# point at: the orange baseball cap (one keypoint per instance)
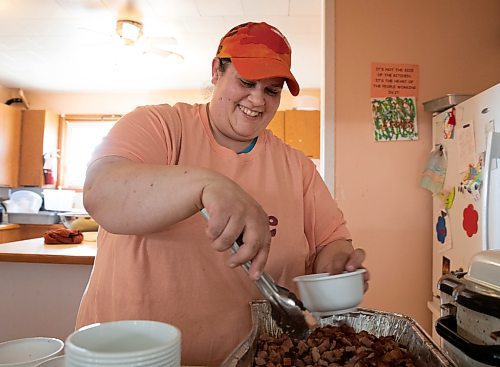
(259, 51)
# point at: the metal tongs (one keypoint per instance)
(286, 309)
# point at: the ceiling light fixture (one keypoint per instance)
(129, 31)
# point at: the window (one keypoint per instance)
(80, 135)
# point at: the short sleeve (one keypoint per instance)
(148, 134)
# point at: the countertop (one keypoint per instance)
(35, 251)
(7, 226)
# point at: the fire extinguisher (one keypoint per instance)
(49, 168)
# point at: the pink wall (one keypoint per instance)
(456, 43)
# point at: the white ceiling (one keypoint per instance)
(67, 45)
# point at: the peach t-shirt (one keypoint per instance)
(174, 275)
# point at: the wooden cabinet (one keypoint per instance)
(299, 129)
(302, 130)
(10, 138)
(277, 125)
(20, 232)
(10, 234)
(39, 135)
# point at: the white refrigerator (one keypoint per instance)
(466, 210)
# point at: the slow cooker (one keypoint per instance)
(470, 312)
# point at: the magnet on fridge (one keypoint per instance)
(449, 125)
(445, 265)
(447, 197)
(448, 202)
(469, 222)
(441, 230)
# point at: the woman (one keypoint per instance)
(160, 165)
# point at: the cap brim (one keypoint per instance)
(255, 68)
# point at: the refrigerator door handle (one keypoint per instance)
(492, 152)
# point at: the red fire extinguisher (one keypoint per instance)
(49, 168)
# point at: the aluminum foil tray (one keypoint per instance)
(404, 329)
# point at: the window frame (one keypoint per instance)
(63, 133)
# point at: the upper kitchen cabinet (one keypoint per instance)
(302, 130)
(39, 136)
(277, 125)
(10, 137)
(299, 129)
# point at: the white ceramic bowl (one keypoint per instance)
(324, 294)
(29, 351)
(123, 343)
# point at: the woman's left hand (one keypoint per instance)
(339, 256)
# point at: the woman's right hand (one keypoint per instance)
(150, 197)
(233, 212)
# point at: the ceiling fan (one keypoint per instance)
(130, 30)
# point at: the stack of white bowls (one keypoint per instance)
(124, 343)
